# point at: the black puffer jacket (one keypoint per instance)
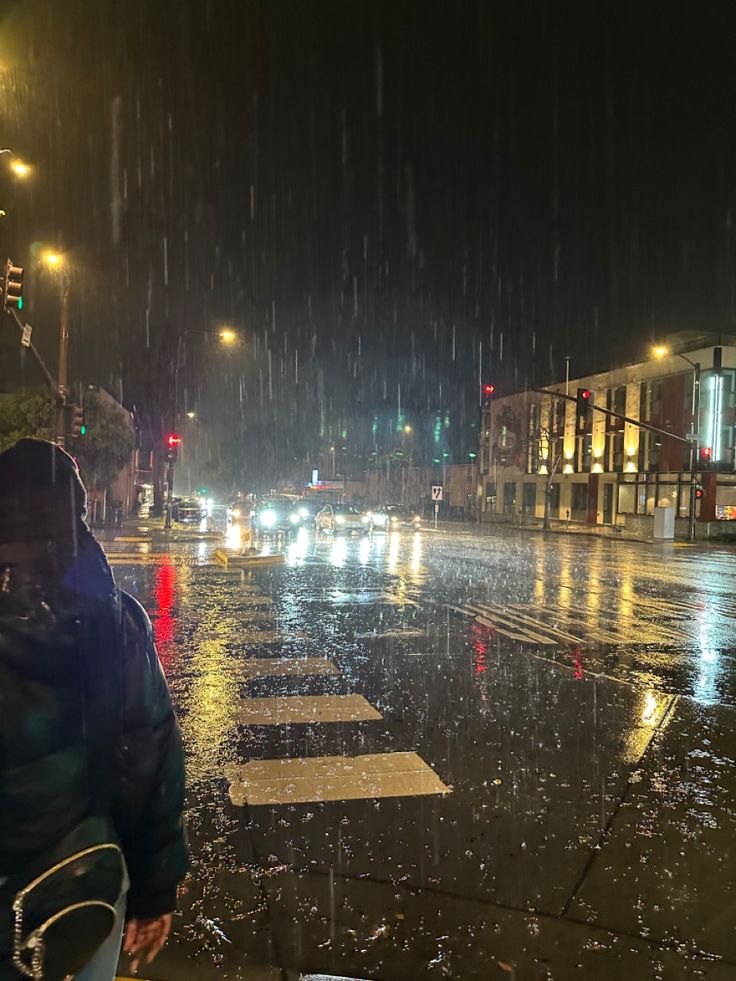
(90, 748)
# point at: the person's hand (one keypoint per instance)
(145, 935)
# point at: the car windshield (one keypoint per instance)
(346, 509)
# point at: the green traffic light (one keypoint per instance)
(20, 302)
(83, 430)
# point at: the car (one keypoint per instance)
(273, 514)
(342, 517)
(392, 517)
(303, 512)
(186, 510)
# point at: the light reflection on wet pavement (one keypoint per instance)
(575, 696)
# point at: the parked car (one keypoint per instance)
(342, 517)
(389, 517)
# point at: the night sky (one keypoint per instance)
(391, 202)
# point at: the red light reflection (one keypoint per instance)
(163, 619)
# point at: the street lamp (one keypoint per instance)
(661, 351)
(20, 169)
(228, 336)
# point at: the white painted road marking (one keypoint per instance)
(302, 709)
(293, 781)
(275, 667)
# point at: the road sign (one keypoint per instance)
(25, 337)
(438, 492)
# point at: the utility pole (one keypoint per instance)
(63, 373)
(694, 451)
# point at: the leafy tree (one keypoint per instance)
(101, 454)
(106, 448)
(25, 413)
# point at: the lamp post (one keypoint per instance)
(660, 352)
(57, 263)
(228, 338)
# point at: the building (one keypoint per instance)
(614, 467)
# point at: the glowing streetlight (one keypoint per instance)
(54, 260)
(660, 351)
(408, 429)
(191, 415)
(19, 168)
(228, 335)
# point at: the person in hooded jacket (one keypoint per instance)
(91, 760)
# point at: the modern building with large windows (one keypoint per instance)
(609, 469)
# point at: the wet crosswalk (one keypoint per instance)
(291, 780)
(640, 620)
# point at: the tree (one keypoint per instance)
(25, 413)
(109, 441)
(545, 444)
(532, 440)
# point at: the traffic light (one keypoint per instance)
(488, 391)
(12, 287)
(78, 426)
(698, 491)
(173, 442)
(73, 421)
(582, 408)
(706, 455)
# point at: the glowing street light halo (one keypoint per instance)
(228, 336)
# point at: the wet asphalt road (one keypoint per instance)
(572, 697)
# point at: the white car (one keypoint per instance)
(342, 517)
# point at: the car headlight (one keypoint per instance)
(394, 521)
(380, 519)
(303, 513)
(340, 520)
(366, 518)
(417, 519)
(268, 519)
(294, 519)
(236, 512)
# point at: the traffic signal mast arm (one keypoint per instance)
(616, 415)
(50, 381)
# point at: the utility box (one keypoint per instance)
(664, 524)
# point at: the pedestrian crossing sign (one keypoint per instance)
(438, 492)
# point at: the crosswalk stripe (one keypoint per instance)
(505, 631)
(322, 778)
(279, 667)
(301, 709)
(524, 619)
(261, 638)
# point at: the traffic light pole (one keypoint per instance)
(48, 377)
(169, 494)
(692, 443)
(694, 449)
(617, 415)
(62, 380)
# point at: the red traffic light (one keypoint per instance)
(585, 393)
(489, 389)
(173, 440)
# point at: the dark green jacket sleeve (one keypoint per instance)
(148, 808)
